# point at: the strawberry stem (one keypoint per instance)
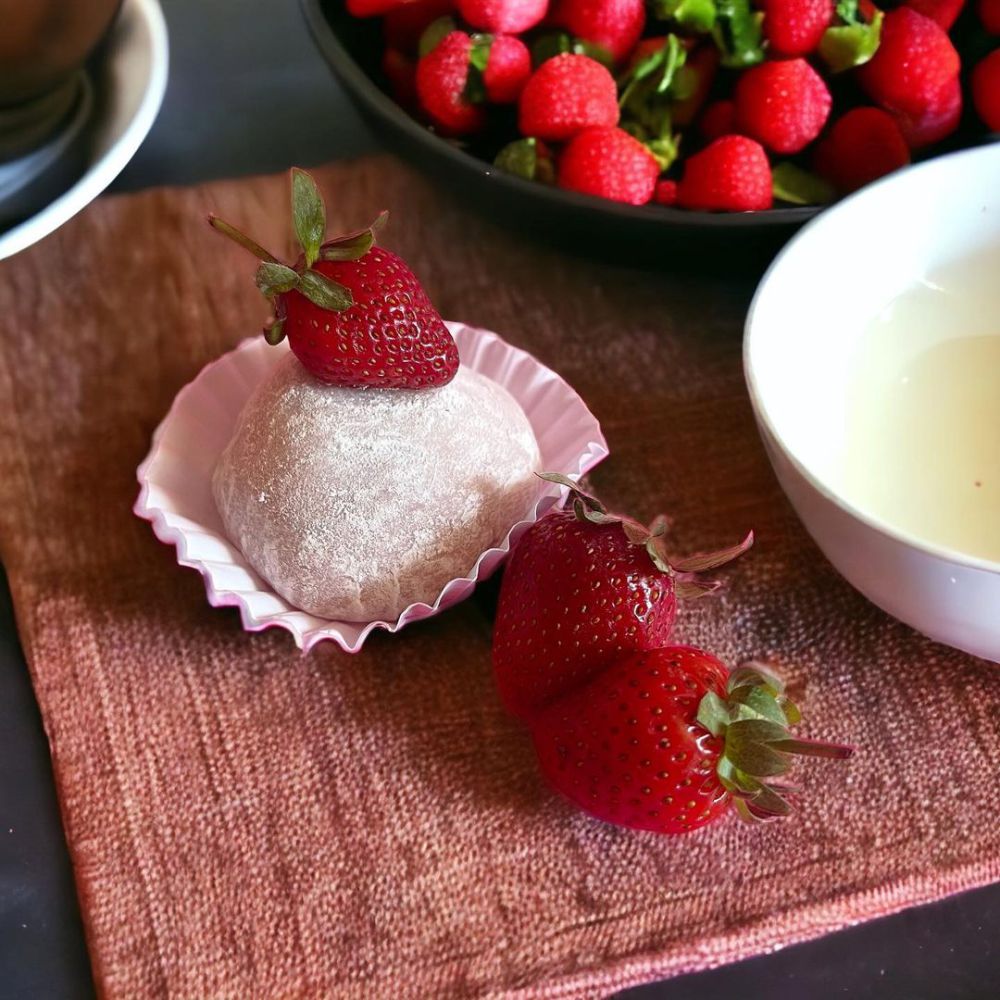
(242, 239)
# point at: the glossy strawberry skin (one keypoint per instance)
(441, 78)
(936, 121)
(915, 62)
(795, 27)
(731, 174)
(507, 69)
(615, 25)
(626, 746)
(391, 337)
(564, 96)
(608, 163)
(574, 597)
(862, 145)
(945, 12)
(782, 104)
(503, 16)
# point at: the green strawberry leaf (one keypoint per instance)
(738, 34)
(713, 713)
(353, 250)
(273, 279)
(433, 34)
(556, 43)
(479, 57)
(799, 187)
(523, 158)
(594, 51)
(325, 293)
(659, 68)
(846, 46)
(548, 46)
(308, 214)
(275, 333)
(693, 15)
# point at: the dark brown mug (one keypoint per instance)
(44, 42)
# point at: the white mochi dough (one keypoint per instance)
(354, 503)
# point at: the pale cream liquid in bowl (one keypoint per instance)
(923, 416)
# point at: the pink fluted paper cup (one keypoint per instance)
(176, 495)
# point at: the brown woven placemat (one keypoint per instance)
(247, 822)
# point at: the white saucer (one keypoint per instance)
(130, 84)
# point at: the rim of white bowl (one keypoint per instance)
(146, 16)
(827, 218)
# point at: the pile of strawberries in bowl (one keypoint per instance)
(711, 105)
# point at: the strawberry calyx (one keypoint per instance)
(528, 158)
(693, 15)
(274, 278)
(479, 57)
(685, 572)
(854, 39)
(557, 43)
(647, 90)
(754, 720)
(796, 186)
(434, 33)
(738, 33)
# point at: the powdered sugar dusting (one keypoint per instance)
(355, 503)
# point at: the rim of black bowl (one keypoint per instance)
(379, 103)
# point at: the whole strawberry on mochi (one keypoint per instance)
(632, 729)
(355, 315)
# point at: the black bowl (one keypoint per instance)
(648, 234)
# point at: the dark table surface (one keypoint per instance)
(249, 94)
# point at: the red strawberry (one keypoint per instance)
(402, 26)
(507, 69)
(581, 588)
(718, 119)
(665, 192)
(354, 314)
(936, 121)
(372, 8)
(401, 72)
(783, 104)
(914, 64)
(442, 76)
(664, 740)
(700, 69)
(862, 146)
(986, 90)
(795, 27)
(989, 15)
(608, 163)
(614, 25)
(945, 12)
(729, 175)
(510, 16)
(565, 95)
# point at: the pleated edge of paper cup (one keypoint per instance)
(483, 351)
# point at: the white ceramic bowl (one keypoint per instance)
(130, 80)
(802, 335)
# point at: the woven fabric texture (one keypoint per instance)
(246, 822)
